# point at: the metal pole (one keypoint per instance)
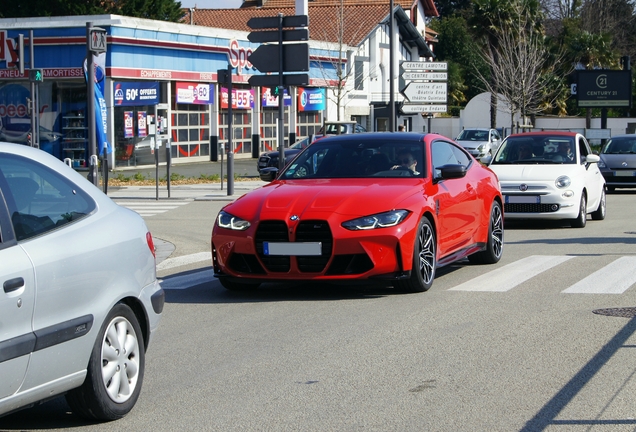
(230, 146)
(35, 105)
(391, 74)
(90, 105)
(281, 99)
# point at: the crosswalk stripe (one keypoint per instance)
(509, 276)
(152, 208)
(614, 278)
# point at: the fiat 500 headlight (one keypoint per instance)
(228, 221)
(563, 182)
(380, 220)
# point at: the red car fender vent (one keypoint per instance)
(151, 244)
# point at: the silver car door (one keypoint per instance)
(17, 301)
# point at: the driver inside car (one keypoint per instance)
(406, 161)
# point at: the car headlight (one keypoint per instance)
(482, 147)
(601, 164)
(563, 182)
(228, 221)
(380, 220)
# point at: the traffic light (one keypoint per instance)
(21, 54)
(36, 75)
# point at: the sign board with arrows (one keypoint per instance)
(425, 92)
(425, 87)
(266, 58)
(422, 108)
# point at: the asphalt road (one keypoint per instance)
(535, 342)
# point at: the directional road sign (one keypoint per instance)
(272, 22)
(273, 36)
(424, 66)
(267, 59)
(273, 80)
(424, 76)
(425, 92)
(422, 108)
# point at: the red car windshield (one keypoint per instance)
(358, 159)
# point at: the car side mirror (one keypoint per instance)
(592, 158)
(452, 171)
(268, 174)
(486, 159)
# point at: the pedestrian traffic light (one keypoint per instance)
(36, 75)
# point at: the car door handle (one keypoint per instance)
(13, 284)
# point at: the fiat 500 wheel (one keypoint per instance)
(424, 260)
(115, 369)
(599, 213)
(581, 220)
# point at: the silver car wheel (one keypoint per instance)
(120, 360)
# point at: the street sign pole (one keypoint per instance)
(230, 126)
(281, 98)
(90, 115)
(35, 101)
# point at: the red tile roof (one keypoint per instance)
(360, 16)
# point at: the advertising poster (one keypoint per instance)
(141, 124)
(241, 98)
(271, 101)
(129, 131)
(313, 99)
(195, 93)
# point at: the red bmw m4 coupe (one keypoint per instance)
(380, 207)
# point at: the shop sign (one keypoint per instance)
(8, 50)
(241, 98)
(238, 56)
(136, 93)
(195, 93)
(314, 99)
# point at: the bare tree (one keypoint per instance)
(523, 70)
(343, 37)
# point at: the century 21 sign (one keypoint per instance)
(603, 88)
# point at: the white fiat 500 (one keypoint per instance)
(549, 175)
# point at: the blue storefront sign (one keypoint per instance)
(313, 99)
(136, 93)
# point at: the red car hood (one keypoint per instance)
(350, 197)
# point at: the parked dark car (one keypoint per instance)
(618, 162)
(270, 159)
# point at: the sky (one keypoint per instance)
(211, 4)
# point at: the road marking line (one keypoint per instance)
(614, 278)
(185, 260)
(509, 276)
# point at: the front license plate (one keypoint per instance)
(296, 249)
(523, 199)
(624, 173)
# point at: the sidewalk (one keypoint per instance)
(245, 168)
(199, 192)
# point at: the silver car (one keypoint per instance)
(479, 142)
(80, 299)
